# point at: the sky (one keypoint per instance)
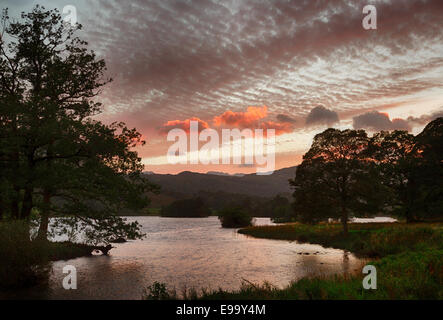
(298, 67)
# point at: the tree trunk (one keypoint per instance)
(344, 221)
(44, 220)
(410, 218)
(27, 204)
(15, 213)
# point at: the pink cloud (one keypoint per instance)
(248, 119)
(183, 124)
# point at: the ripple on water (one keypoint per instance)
(194, 253)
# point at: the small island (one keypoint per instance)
(235, 217)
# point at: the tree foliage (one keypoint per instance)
(346, 173)
(398, 161)
(234, 217)
(335, 180)
(55, 156)
(430, 146)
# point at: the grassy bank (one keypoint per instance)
(408, 275)
(408, 259)
(373, 240)
(410, 264)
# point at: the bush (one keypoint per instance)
(158, 291)
(23, 263)
(234, 218)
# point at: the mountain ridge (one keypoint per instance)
(188, 184)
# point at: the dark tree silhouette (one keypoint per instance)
(335, 180)
(54, 157)
(430, 146)
(398, 161)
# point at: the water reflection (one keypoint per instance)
(195, 253)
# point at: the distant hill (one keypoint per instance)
(188, 184)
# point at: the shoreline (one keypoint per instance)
(407, 258)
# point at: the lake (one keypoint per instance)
(193, 253)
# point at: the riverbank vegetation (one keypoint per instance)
(234, 217)
(373, 240)
(409, 275)
(409, 264)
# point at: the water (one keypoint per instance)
(193, 253)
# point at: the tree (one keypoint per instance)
(55, 157)
(411, 168)
(280, 209)
(335, 180)
(430, 147)
(234, 217)
(398, 161)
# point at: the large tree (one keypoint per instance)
(399, 163)
(411, 167)
(430, 147)
(335, 180)
(55, 157)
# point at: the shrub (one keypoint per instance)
(159, 291)
(234, 218)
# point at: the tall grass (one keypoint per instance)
(372, 240)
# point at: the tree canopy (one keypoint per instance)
(56, 159)
(346, 173)
(334, 179)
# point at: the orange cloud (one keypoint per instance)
(248, 119)
(279, 127)
(183, 124)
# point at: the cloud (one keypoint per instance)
(248, 119)
(377, 121)
(253, 118)
(426, 118)
(183, 124)
(321, 116)
(279, 127)
(218, 53)
(285, 118)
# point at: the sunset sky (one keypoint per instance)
(295, 66)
